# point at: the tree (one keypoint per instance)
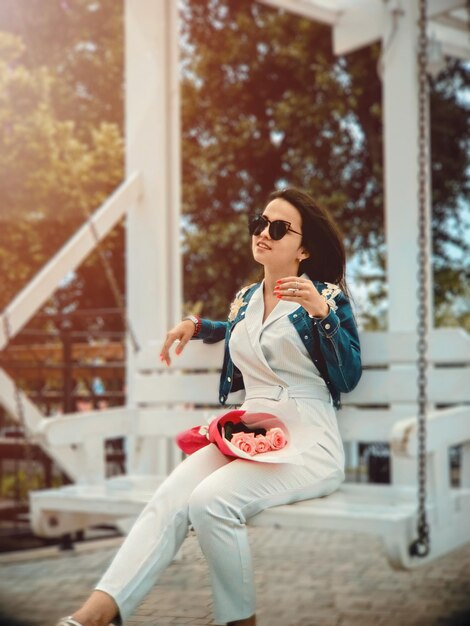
(50, 179)
(81, 43)
(264, 102)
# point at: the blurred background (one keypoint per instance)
(265, 103)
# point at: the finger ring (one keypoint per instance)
(292, 290)
(296, 284)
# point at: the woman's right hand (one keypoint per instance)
(182, 333)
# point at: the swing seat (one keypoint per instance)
(380, 409)
(387, 512)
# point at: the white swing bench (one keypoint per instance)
(377, 410)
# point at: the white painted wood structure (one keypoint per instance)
(166, 401)
(382, 407)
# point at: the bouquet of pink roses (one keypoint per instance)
(251, 443)
(280, 436)
(258, 435)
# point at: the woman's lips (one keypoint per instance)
(262, 246)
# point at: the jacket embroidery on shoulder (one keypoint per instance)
(238, 302)
(329, 293)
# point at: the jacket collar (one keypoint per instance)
(278, 311)
(283, 307)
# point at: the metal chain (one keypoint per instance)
(420, 546)
(21, 415)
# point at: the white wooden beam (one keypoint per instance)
(42, 286)
(452, 21)
(326, 12)
(152, 104)
(438, 7)
(361, 23)
(444, 428)
(73, 428)
(378, 348)
(400, 106)
(455, 42)
(8, 400)
(396, 385)
(64, 456)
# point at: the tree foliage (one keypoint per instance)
(264, 103)
(51, 178)
(267, 103)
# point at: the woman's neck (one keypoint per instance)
(272, 275)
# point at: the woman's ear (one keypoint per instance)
(303, 254)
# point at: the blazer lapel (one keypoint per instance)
(254, 320)
(283, 307)
(254, 325)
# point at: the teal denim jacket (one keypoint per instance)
(332, 341)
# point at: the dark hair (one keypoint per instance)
(322, 238)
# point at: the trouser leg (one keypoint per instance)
(219, 508)
(157, 533)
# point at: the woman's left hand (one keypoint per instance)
(304, 292)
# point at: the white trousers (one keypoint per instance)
(216, 494)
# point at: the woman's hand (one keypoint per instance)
(182, 332)
(304, 292)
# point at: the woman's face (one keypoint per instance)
(285, 254)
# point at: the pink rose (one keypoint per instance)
(276, 438)
(245, 442)
(262, 444)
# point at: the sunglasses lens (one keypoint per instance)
(256, 224)
(278, 229)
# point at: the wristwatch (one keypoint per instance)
(196, 321)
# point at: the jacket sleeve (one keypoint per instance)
(339, 344)
(211, 332)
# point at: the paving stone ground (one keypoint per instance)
(317, 578)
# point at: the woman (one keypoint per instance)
(291, 341)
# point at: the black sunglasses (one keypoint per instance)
(277, 228)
